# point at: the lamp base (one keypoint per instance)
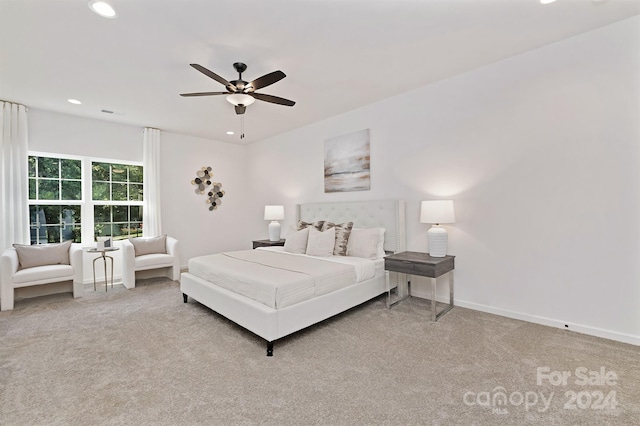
(437, 238)
(274, 231)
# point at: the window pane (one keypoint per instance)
(135, 174)
(103, 230)
(48, 167)
(119, 191)
(135, 229)
(71, 169)
(102, 214)
(51, 215)
(100, 171)
(32, 188)
(100, 191)
(136, 213)
(71, 190)
(120, 213)
(135, 192)
(32, 166)
(48, 189)
(118, 173)
(71, 214)
(53, 234)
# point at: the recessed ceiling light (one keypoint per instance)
(103, 9)
(546, 1)
(74, 101)
(230, 133)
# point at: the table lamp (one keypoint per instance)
(437, 212)
(274, 214)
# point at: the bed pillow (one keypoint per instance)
(380, 250)
(343, 230)
(364, 243)
(318, 224)
(321, 243)
(153, 245)
(296, 241)
(30, 256)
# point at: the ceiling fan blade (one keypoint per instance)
(240, 109)
(214, 76)
(267, 80)
(204, 94)
(273, 99)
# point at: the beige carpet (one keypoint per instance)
(144, 357)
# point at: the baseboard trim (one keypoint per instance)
(578, 328)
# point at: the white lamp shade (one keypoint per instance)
(273, 212)
(437, 211)
(241, 99)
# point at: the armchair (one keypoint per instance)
(141, 260)
(11, 277)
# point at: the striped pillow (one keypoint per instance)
(343, 230)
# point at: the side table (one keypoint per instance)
(416, 263)
(267, 243)
(103, 255)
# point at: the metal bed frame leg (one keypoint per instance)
(184, 297)
(269, 348)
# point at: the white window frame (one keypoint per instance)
(86, 202)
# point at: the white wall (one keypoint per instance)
(184, 213)
(540, 154)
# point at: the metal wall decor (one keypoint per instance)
(215, 192)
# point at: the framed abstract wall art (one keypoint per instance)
(347, 163)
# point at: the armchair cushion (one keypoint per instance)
(30, 256)
(40, 273)
(155, 260)
(151, 245)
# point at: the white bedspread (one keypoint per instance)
(276, 278)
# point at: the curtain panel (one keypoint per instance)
(151, 220)
(14, 189)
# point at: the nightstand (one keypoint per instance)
(416, 263)
(267, 243)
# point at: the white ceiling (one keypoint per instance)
(338, 55)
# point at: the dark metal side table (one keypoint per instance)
(417, 263)
(267, 243)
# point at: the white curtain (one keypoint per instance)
(151, 221)
(14, 189)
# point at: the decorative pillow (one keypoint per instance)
(30, 256)
(343, 230)
(364, 243)
(296, 241)
(318, 225)
(321, 243)
(151, 245)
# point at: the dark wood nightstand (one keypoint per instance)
(416, 263)
(267, 243)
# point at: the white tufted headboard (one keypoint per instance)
(387, 214)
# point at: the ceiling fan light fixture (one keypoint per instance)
(240, 99)
(103, 9)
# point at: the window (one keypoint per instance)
(55, 199)
(79, 199)
(117, 196)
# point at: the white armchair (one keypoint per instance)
(12, 278)
(149, 264)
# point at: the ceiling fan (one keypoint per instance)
(241, 93)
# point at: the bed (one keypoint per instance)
(272, 320)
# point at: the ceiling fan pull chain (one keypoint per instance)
(242, 126)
